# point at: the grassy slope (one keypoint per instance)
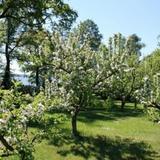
(106, 135)
(113, 135)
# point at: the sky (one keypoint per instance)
(125, 16)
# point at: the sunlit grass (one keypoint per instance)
(113, 134)
(131, 124)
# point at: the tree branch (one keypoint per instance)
(5, 143)
(4, 12)
(154, 105)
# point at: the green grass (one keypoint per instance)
(105, 135)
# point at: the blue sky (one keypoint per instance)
(124, 16)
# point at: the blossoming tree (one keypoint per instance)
(79, 72)
(16, 110)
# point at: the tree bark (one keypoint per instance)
(123, 102)
(37, 80)
(135, 104)
(6, 83)
(74, 124)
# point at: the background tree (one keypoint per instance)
(134, 45)
(150, 64)
(18, 16)
(126, 82)
(88, 31)
(35, 56)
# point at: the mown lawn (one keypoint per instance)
(105, 135)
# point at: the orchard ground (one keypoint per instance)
(104, 135)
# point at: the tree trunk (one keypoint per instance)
(22, 155)
(135, 104)
(37, 76)
(6, 83)
(37, 79)
(74, 124)
(123, 102)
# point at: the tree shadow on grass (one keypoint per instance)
(103, 148)
(113, 114)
